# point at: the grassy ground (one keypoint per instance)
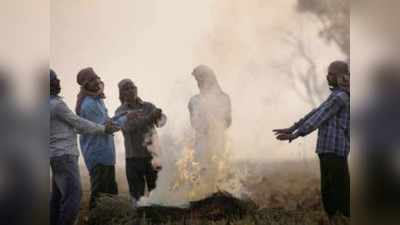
(285, 193)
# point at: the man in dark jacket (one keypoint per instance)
(141, 151)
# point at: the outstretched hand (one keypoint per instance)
(156, 115)
(111, 127)
(286, 134)
(283, 131)
(286, 137)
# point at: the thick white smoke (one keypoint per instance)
(158, 43)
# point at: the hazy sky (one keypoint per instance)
(157, 43)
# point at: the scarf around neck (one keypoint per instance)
(85, 93)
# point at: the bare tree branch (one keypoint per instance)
(334, 16)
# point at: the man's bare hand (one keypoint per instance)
(156, 164)
(283, 131)
(111, 127)
(286, 137)
(156, 115)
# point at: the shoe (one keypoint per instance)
(134, 203)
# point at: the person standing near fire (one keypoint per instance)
(332, 119)
(98, 149)
(66, 188)
(210, 116)
(138, 122)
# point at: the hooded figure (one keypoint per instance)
(211, 107)
(210, 116)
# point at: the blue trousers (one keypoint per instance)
(66, 190)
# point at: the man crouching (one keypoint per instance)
(138, 126)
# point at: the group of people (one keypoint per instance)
(136, 119)
(210, 115)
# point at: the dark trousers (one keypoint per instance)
(140, 172)
(335, 184)
(102, 180)
(66, 190)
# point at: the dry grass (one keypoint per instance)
(285, 193)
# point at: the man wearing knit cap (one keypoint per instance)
(332, 119)
(141, 149)
(98, 149)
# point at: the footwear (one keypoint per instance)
(134, 203)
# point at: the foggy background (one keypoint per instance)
(253, 46)
(263, 52)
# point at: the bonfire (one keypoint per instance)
(274, 198)
(221, 206)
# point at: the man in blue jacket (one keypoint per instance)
(98, 149)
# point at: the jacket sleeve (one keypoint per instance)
(138, 123)
(305, 118)
(81, 125)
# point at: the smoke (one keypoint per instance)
(204, 165)
(158, 43)
(244, 45)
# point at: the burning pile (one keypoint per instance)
(217, 207)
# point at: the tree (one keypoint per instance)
(302, 69)
(335, 18)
